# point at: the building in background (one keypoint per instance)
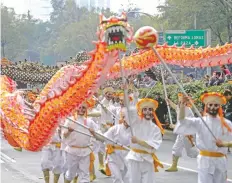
(102, 4)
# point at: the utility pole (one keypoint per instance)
(195, 20)
(3, 47)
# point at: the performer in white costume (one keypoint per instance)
(183, 142)
(52, 159)
(115, 155)
(64, 154)
(79, 147)
(94, 115)
(118, 109)
(146, 139)
(212, 161)
(134, 94)
(106, 121)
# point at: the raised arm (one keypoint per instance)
(171, 104)
(186, 124)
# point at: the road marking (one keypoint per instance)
(5, 157)
(188, 169)
(1, 161)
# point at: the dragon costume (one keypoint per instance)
(31, 126)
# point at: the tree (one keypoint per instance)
(212, 14)
(57, 6)
(10, 37)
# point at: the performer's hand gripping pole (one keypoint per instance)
(104, 137)
(126, 101)
(83, 133)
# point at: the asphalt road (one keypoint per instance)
(24, 167)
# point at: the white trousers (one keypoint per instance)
(52, 160)
(65, 164)
(141, 172)
(217, 177)
(182, 143)
(101, 148)
(78, 165)
(118, 176)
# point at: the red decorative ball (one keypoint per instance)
(146, 37)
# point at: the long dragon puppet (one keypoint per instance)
(31, 127)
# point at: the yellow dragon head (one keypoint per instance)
(115, 32)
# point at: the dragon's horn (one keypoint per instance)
(102, 18)
(124, 16)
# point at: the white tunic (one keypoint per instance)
(118, 113)
(106, 116)
(135, 97)
(120, 134)
(77, 139)
(205, 141)
(146, 131)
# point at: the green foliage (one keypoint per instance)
(194, 89)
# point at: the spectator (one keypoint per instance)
(226, 72)
(148, 82)
(216, 79)
(191, 77)
(228, 106)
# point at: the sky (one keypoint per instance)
(42, 8)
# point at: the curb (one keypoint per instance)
(169, 135)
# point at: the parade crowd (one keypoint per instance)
(125, 139)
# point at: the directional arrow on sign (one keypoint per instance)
(169, 37)
(196, 42)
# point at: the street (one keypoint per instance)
(24, 167)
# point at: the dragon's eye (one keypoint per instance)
(104, 22)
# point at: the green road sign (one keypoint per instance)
(188, 37)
